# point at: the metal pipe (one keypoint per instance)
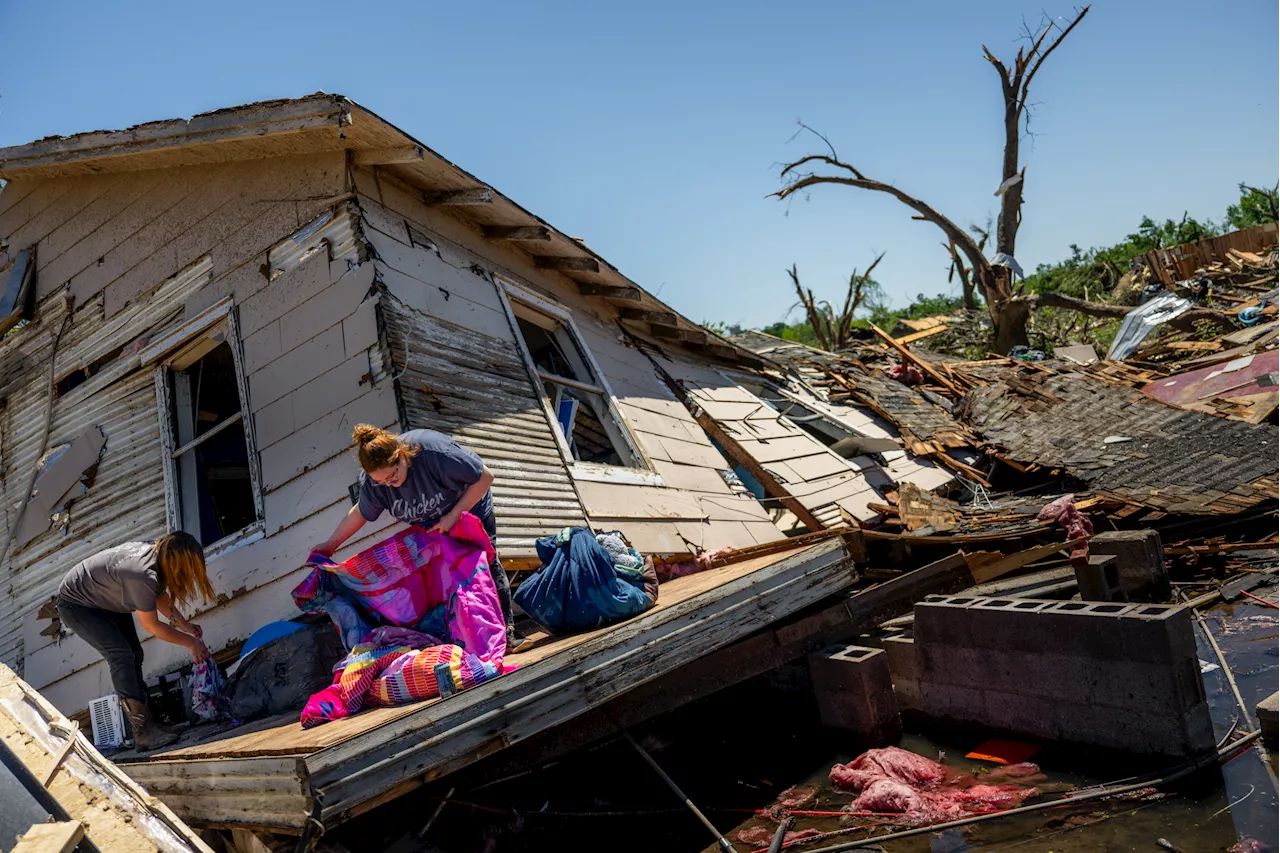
(775, 846)
(720, 839)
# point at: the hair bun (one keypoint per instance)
(365, 434)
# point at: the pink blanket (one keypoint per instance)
(435, 583)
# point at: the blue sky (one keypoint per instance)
(653, 130)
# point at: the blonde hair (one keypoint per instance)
(377, 449)
(180, 560)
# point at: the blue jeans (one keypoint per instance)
(498, 573)
(114, 636)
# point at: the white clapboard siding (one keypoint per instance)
(822, 481)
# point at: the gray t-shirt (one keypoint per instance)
(120, 579)
(438, 475)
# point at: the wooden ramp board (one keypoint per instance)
(266, 778)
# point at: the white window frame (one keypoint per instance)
(175, 352)
(643, 472)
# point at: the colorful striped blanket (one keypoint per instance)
(432, 583)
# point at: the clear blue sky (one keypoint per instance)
(652, 130)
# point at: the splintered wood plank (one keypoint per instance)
(61, 837)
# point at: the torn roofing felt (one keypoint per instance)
(1124, 444)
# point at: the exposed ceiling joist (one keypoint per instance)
(458, 198)
(610, 291)
(661, 318)
(389, 156)
(543, 262)
(538, 233)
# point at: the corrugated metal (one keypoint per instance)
(228, 792)
(126, 499)
(337, 228)
(476, 389)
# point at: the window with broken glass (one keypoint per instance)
(581, 404)
(210, 477)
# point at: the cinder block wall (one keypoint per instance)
(1113, 675)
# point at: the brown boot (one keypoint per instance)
(146, 733)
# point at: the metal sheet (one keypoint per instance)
(126, 499)
(476, 389)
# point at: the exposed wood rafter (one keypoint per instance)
(688, 335)
(459, 198)
(544, 262)
(389, 156)
(610, 291)
(661, 318)
(536, 233)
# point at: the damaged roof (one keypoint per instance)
(330, 123)
(1124, 444)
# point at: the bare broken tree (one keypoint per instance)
(1009, 310)
(831, 329)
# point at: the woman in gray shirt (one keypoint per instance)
(99, 596)
(423, 477)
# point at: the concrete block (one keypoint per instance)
(901, 655)
(1159, 633)
(999, 623)
(1099, 578)
(855, 691)
(1268, 711)
(1086, 629)
(1141, 558)
(1022, 715)
(1112, 674)
(943, 620)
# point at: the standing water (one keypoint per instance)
(744, 748)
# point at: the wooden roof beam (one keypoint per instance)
(546, 262)
(660, 318)
(609, 291)
(389, 156)
(532, 233)
(692, 336)
(459, 198)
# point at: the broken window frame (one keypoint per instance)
(173, 354)
(640, 470)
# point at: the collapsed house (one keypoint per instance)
(198, 313)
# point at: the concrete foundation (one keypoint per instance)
(1120, 676)
(1268, 711)
(1141, 557)
(1098, 579)
(855, 692)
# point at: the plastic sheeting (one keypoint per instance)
(1139, 322)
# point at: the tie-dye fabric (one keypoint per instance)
(431, 583)
(435, 583)
(392, 675)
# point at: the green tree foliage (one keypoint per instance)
(1091, 274)
(1256, 207)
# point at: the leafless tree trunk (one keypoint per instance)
(832, 330)
(1009, 310)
